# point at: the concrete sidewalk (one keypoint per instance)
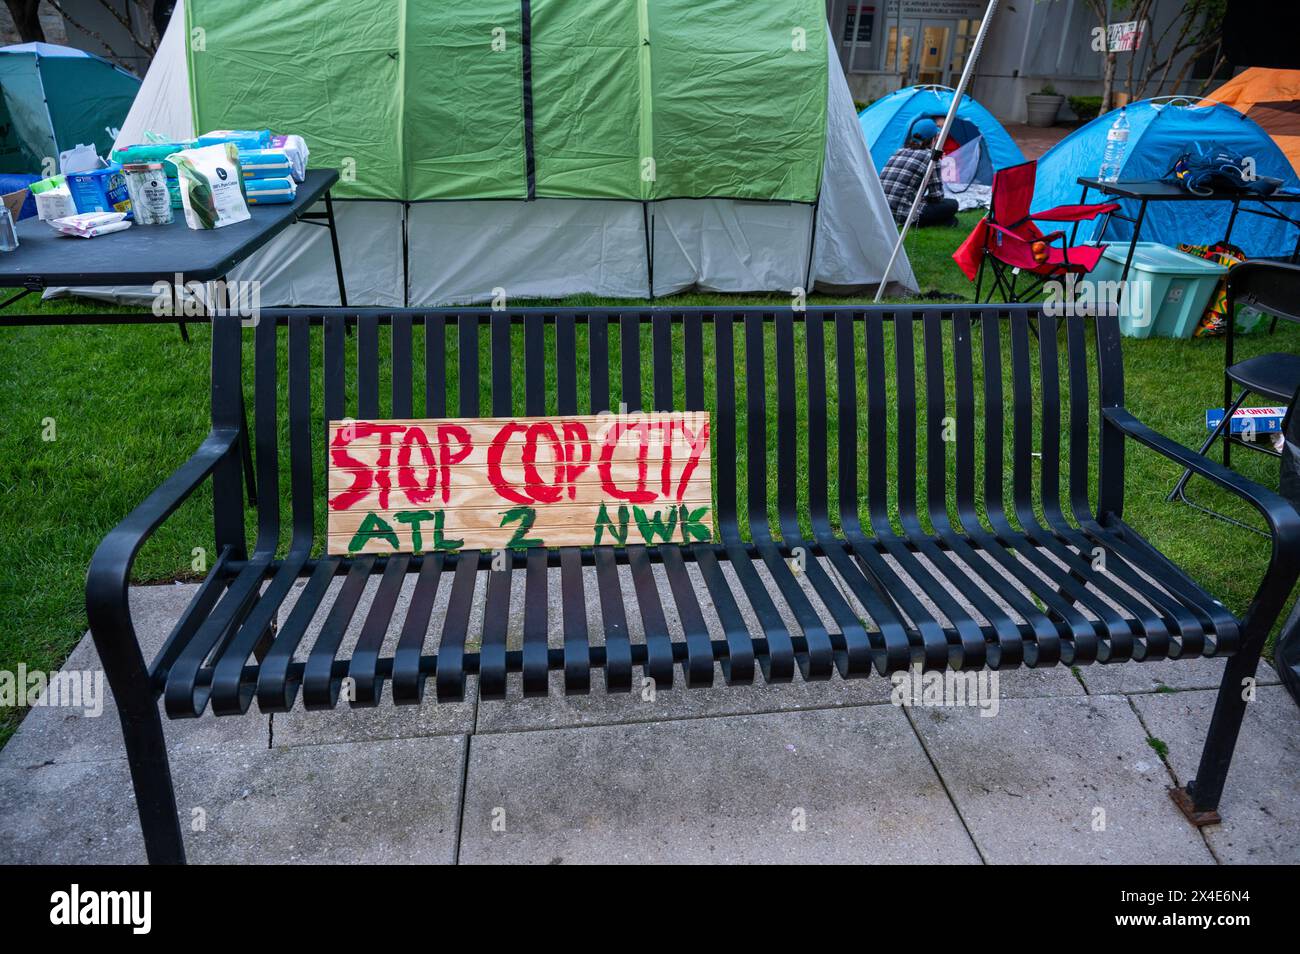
(1074, 768)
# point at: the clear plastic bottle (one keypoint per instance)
(8, 234)
(1112, 160)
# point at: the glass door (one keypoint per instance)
(963, 43)
(933, 55)
(898, 50)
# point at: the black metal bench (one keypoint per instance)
(978, 562)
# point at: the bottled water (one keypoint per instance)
(1112, 160)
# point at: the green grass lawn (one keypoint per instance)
(126, 405)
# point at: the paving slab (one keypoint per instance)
(50, 734)
(732, 790)
(1033, 782)
(383, 721)
(1161, 675)
(385, 802)
(1261, 800)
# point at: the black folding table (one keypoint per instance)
(1146, 191)
(143, 255)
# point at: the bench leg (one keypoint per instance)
(146, 751)
(1199, 800)
(146, 747)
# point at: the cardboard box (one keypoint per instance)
(1260, 420)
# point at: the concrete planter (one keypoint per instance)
(1042, 109)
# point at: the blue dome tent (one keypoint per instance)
(887, 121)
(1159, 131)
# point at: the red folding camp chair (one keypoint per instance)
(1009, 242)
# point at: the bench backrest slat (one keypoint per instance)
(937, 435)
(1049, 376)
(787, 454)
(877, 425)
(266, 433)
(1022, 425)
(994, 420)
(847, 450)
(724, 441)
(1080, 432)
(817, 449)
(300, 430)
(566, 364)
(435, 365)
(403, 403)
(501, 361)
(756, 426)
(964, 411)
(467, 364)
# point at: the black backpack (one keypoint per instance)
(1209, 167)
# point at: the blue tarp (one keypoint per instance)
(1159, 131)
(885, 124)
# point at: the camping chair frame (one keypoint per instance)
(1014, 240)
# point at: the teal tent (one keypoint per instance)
(55, 97)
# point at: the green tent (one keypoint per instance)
(491, 99)
(54, 98)
(539, 148)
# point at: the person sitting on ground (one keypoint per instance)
(902, 176)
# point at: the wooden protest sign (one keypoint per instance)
(490, 483)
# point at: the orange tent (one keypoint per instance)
(1272, 99)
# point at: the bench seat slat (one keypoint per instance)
(658, 643)
(449, 680)
(408, 678)
(618, 644)
(276, 691)
(577, 649)
(536, 656)
(363, 669)
(496, 622)
(320, 682)
(698, 665)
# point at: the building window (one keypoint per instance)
(864, 17)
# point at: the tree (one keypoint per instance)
(27, 19)
(1196, 30)
(136, 12)
(1190, 33)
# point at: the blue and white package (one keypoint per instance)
(100, 190)
(265, 164)
(1259, 420)
(270, 191)
(243, 138)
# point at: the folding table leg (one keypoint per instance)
(1132, 245)
(334, 244)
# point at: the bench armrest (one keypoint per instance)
(110, 567)
(1278, 513)
(1282, 519)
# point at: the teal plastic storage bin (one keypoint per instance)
(1180, 286)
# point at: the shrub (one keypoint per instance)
(1085, 107)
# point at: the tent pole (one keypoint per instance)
(812, 246)
(936, 151)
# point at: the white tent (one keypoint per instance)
(459, 252)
